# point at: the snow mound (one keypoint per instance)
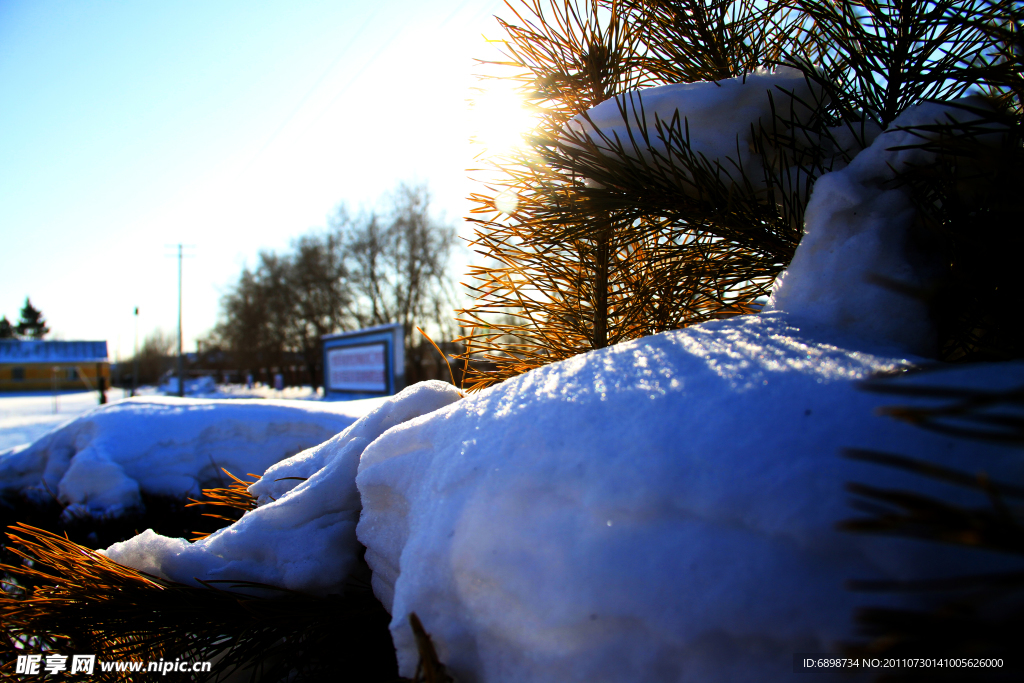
(101, 462)
(302, 536)
(856, 268)
(663, 509)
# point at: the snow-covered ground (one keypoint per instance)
(26, 416)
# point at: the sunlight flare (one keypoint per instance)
(499, 118)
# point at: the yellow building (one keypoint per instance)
(50, 365)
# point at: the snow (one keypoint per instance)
(720, 118)
(857, 243)
(27, 415)
(666, 505)
(662, 509)
(207, 387)
(302, 537)
(100, 462)
(201, 387)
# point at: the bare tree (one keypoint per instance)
(398, 267)
(383, 266)
(318, 297)
(155, 357)
(285, 305)
(246, 326)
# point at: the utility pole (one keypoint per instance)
(181, 351)
(135, 358)
(181, 364)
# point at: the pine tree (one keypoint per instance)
(593, 239)
(6, 329)
(32, 324)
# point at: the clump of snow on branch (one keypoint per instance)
(302, 535)
(416, 400)
(857, 268)
(718, 120)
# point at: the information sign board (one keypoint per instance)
(358, 368)
(365, 363)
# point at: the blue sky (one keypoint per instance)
(226, 125)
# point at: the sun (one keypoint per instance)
(499, 117)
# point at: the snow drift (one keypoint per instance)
(663, 509)
(302, 537)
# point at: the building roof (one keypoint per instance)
(15, 351)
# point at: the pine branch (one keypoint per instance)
(975, 615)
(88, 603)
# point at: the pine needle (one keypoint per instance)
(975, 615)
(443, 357)
(235, 496)
(89, 604)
